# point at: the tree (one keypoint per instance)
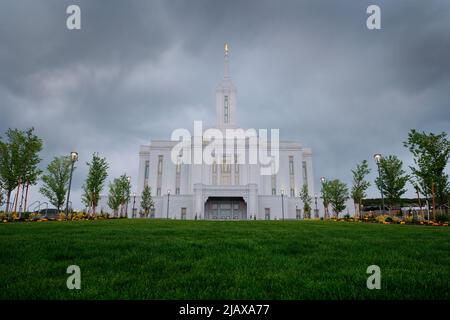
(431, 154)
(306, 199)
(95, 181)
(29, 161)
(392, 179)
(146, 200)
(338, 195)
(125, 187)
(119, 194)
(10, 167)
(19, 160)
(360, 185)
(325, 197)
(115, 196)
(55, 182)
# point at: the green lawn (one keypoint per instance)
(156, 259)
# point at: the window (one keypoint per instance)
(177, 191)
(158, 192)
(160, 164)
(183, 213)
(147, 166)
(159, 177)
(291, 165)
(305, 173)
(292, 192)
(225, 110)
(274, 184)
(267, 213)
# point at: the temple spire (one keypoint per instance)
(226, 73)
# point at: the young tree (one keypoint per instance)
(338, 193)
(392, 179)
(115, 196)
(146, 200)
(29, 161)
(125, 187)
(10, 165)
(19, 160)
(360, 185)
(95, 181)
(431, 154)
(325, 197)
(119, 194)
(306, 199)
(56, 180)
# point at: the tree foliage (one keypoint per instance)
(119, 193)
(147, 200)
(19, 159)
(325, 196)
(360, 185)
(431, 154)
(392, 179)
(95, 181)
(338, 195)
(56, 181)
(306, 199)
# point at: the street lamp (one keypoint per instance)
(133, 214)
(325, 208)
(282, 203)
(73, 159)
(378, 158)
(316, 211)
(128, 195)
(168, 198)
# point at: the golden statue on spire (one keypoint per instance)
(226, 48)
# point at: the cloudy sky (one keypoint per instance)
(139, 69)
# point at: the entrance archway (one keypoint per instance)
(225, 208)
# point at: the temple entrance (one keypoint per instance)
(224, 208)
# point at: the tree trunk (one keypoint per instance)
(26, 196)
(8, 199)
(21, 201)
(17, 195)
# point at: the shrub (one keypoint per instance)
(442, 218)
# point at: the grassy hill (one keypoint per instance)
(157, 259)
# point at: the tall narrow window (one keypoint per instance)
(214, 173)
(177, 177)
(236, 170)
(291, 165)
(226, 114)
(305, 173)
(291, 176)
(147, 168)
(159, 176)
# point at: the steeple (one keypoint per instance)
(226, 72)
(226, 96)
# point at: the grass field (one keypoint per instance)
(156, 259)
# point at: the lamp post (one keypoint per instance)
(133, 214)
(73, 159)
(325, 208)
(128, 195)
(316, 211)
(378, 158)
(168, 203)
(282, 203)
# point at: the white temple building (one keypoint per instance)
(228, 188)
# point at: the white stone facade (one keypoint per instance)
(224, 191)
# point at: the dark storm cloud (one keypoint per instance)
(139, 69)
